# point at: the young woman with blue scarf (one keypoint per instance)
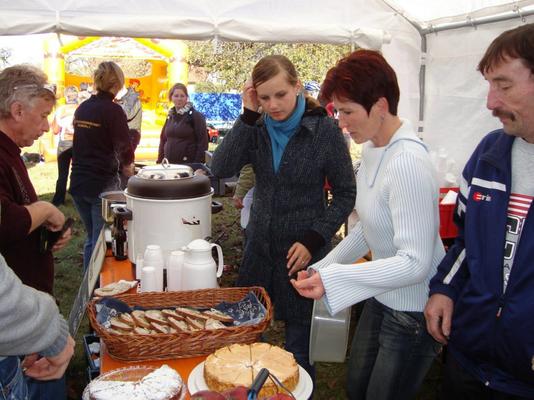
(293, 147)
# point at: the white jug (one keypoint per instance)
(199, 269)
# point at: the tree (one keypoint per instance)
(4, 57)
(225, 66)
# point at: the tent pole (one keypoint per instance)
(470, 22)
(422, 69)
(422, 83)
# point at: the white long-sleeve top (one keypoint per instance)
(397, 203)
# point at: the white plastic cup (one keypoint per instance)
(153, 257)
(139, 263)
(174, 270)
(149, 281)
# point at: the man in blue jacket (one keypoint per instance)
(482, 298)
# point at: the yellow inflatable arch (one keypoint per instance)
(167, 68)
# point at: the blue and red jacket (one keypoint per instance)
(492, 333)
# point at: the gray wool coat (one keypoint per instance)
(289, 206)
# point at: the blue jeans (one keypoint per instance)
(47, 390)
(13, 386)
(90, 210)
(391, 354)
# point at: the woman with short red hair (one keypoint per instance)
(397, 202)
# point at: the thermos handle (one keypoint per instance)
(220, 259)
(122, 212)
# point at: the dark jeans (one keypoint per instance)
(90, 210)
(63, 165)
(459, 384)
(298, 343)
(15, 386)
(391, 354)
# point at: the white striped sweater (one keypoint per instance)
(397, 202)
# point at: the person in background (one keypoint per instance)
(293, 147)
(62, 126)
(85, 92)
(101, 151)
(27, 101)
(243, 193)
(482, 298)
(30, 325)
(131, 104)
(184, 138)
(397, 205)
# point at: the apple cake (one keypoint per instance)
(239, 364)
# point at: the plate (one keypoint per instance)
(115, 288)
(303, 390)
(126, 374)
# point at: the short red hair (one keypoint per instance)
(363, 77)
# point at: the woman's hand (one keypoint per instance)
(238, 202)
(298, 258)
(63, 240)
(250, 97)
(309, 286)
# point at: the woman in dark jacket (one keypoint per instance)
(293, 147)
(101, 149)
(184, 138)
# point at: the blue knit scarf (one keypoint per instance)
(281, 132)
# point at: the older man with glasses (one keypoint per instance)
(26, 101)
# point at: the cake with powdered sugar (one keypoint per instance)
(163, 383)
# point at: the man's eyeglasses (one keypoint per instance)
(47, 86)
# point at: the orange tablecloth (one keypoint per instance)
(113, 271)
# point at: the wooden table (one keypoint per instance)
(113, 271)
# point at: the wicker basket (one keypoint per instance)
(182, 344)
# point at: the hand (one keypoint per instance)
(238, 202)
(63, 240)
(438, 314)
(309, 286)
(55, 219)
(48, 368)
(298, 258)
(128, 170)
(250, 97)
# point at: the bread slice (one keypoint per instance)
(195, 323)
(141, 331)
(218, 315)
(127, 319)
(191, 313)
(116, 323)
(180, 325)
(214, 324)
(139, 318)
(171, 313)
(160, 328)
(156, 316)
(118, 332)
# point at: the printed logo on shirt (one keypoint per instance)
(477, 196)
(518, 207)
(86, 124)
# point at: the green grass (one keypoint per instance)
(226, 231)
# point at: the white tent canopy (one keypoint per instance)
(434, 46)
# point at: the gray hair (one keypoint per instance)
(23, 83)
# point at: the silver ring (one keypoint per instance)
(303, 262)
